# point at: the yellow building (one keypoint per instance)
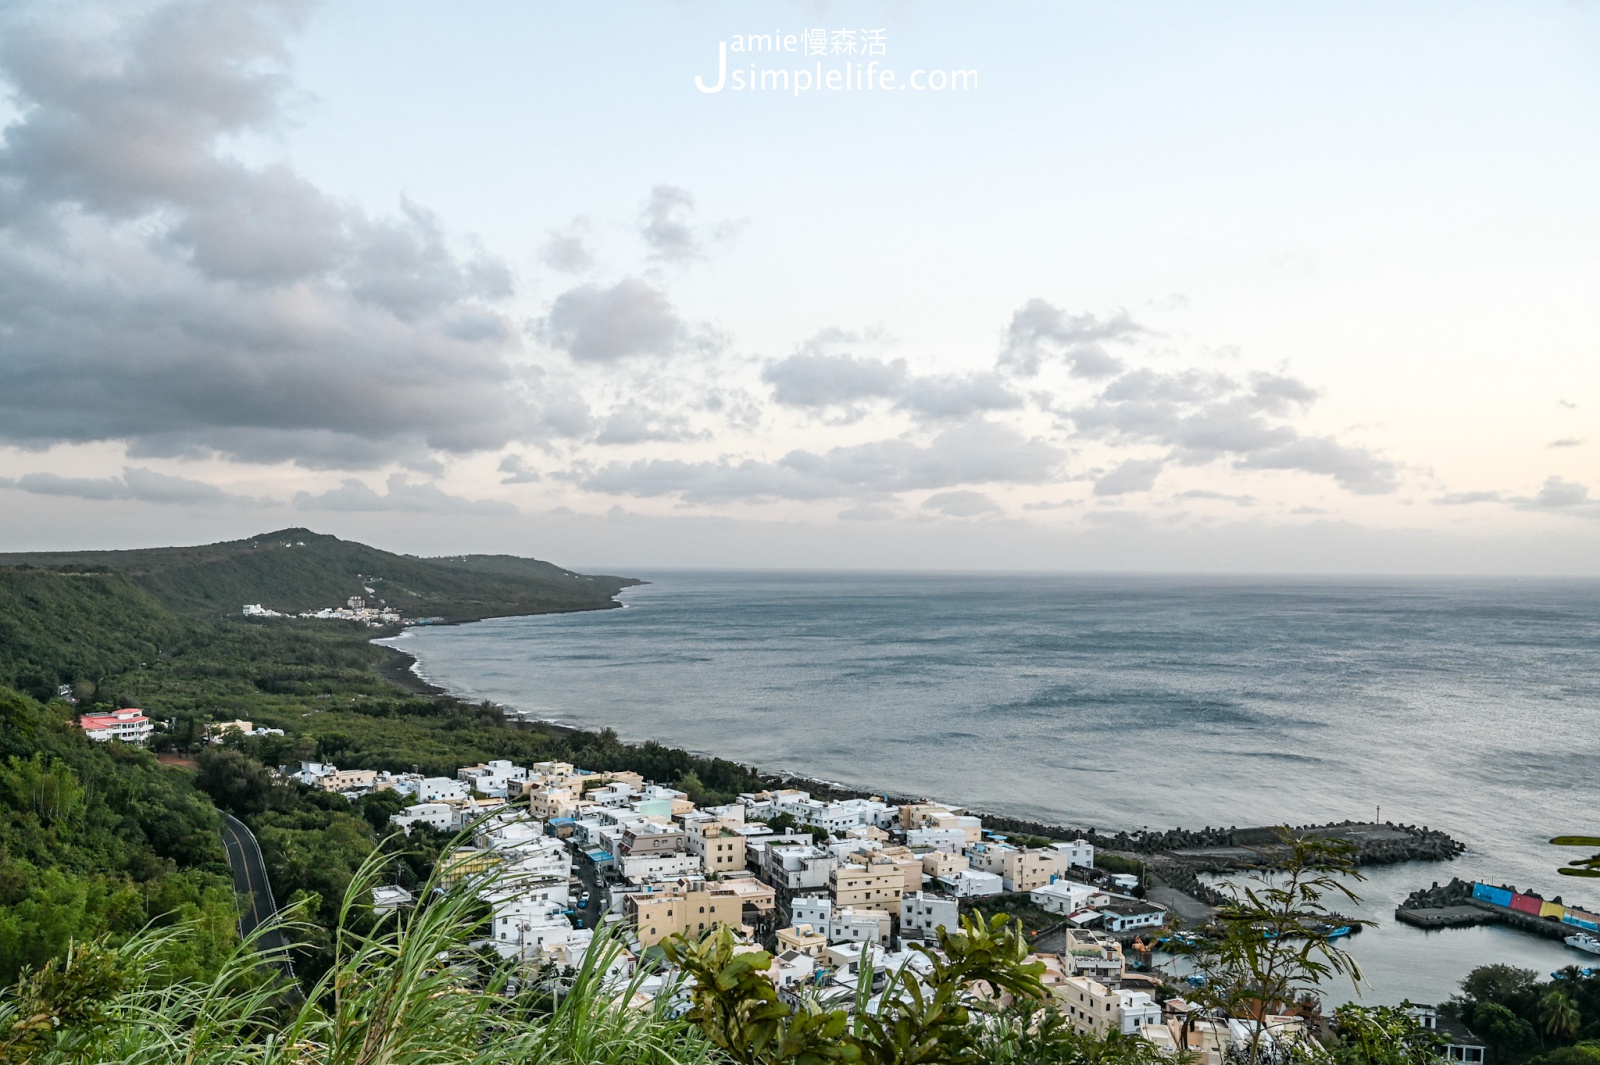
(910, 866)
(942, 863)
(877, 884)
(688, 908)
(719, 847)
(1026, 870)
(802, 939)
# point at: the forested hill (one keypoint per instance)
(295, 569)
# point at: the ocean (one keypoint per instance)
(1120, 702)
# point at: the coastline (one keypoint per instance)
(1169, 849)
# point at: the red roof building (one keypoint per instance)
(126, 726)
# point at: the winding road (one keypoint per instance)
(250, 879)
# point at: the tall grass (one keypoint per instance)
(415, 987)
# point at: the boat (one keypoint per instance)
(1585, 942)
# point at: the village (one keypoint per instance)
(837, 891)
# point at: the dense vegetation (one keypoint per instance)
(99, 840)
(1523, 1018)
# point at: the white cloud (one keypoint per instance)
(402, 495)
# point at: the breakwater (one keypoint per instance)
(1465, 903)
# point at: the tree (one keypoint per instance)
(1558, 1016)
(920, 1020)
(235, 781)
(1268, 951)
(1381, 1035)
(1506, 1034)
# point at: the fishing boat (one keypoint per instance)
(1585, 942)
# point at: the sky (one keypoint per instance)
(1038, 286)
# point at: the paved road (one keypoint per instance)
(250, 880)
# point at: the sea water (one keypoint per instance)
(1120, 702)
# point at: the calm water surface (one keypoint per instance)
(1118, 702)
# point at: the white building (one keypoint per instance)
(949, 840)
(439, 815)
(124, 726)
(1079, 853)
(815, 911)
(1065, 897)
(431, 789)
(529, 928)
(970, 883)
(642, 868)
(922, 914)
(796, 867)
(498, 778)
(1124, 915)
(859, 926)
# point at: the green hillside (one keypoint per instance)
(295, 569)
(76, 628)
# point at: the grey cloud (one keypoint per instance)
(809, 379)
(161, 292)
(1221, 497)
(568, 250)
(962, 504)
(1041, 330)
(1458, 499)
(1354, 469)
(958, 397)
(1135, 475)
(1566, 442)
(976, 453)
(664, 224)
(818, 375)
(636, 424)
(1558, 493)
(867, 512)
(136, 483)
(1062, 504)
(402, 495)
(1204, 417)
(517, 471)
(606, 325)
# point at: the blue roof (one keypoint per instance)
(600, 856)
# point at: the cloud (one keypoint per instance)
(976, 453)
(1041, 330)
(402, 495)
(1458, 499)
(818, 376)
(811, 379)
(568, 250)
(1222, 497)
(1135, 475)
(867, 512)
(1566, 442)
(958, 397)
(158, 290)
(664, 224)
(606, 325)
(517, 471)
(962, 504)
(136, 483)
(1558, 493)
(636, 424)
(1207, 416)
